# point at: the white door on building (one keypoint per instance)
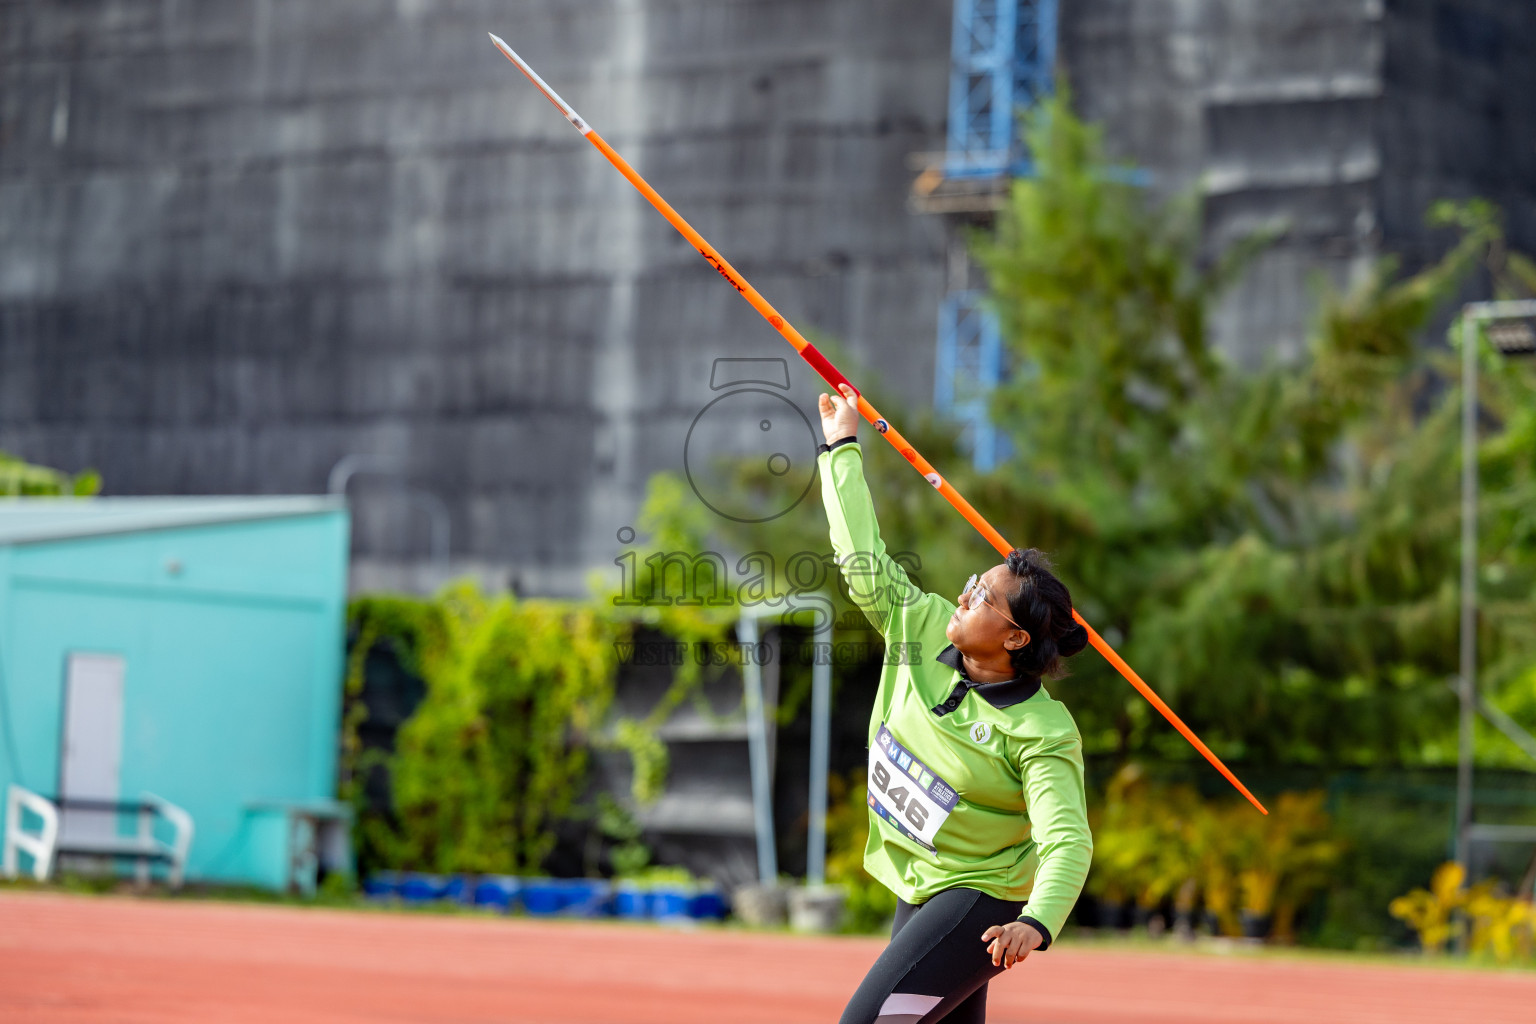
(91, 765)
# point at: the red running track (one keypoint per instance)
(68, 959)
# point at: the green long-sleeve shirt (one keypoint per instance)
(982, 790)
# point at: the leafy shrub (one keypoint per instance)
(1502, 927)
(870, 906)
(22, 479)
(1153, 842)
(498, 749)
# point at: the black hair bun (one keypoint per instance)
(1041, 606)
(1072, 641)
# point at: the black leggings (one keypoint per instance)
(936, 967)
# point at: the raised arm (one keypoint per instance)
(876, 582)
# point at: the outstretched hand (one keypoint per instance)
(1010, 943)
(839, 416)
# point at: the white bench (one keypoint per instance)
(38, 845)
(49, 843)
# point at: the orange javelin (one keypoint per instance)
(832, 376)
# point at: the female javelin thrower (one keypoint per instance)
(977, 817)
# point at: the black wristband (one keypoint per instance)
(835, 444)
(1042, 929)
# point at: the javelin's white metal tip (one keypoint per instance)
(509, 53)
(533, 76)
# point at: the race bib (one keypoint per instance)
(906, 792)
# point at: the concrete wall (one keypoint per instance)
(244, 238)
(1458, 117)
(241, 239)
(1269, 109)
(1344, 119)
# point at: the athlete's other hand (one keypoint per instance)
(1010, 943)
(839, 416)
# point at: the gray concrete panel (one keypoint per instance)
(240, 239)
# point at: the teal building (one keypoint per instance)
(191, 648)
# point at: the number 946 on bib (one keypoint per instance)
(906, 792)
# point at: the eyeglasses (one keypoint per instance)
(982, 594)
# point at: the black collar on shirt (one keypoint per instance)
(1004, 694)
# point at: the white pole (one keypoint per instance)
(757, 744)
(821, 733)
(1468, 690)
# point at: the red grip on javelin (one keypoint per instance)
(829, 373)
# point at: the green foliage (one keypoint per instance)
(663, 876)
(1499, 927)
(1275, 550)
(1429, 911)
(518, 695)
(1154, 842)
(691, 600)
(1079, 254)
(498, 749)
(870, 905)
(417, 634)
(21, 479)
(629, 856)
